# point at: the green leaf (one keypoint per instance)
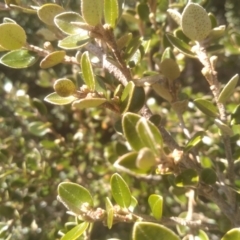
(87, 71)
(150, 135)
(52, 59)
(202, 235)
(76, 232)
(75, 41)
(146, 159)
(64, 21)
(232, 234)
(54, 98)
(111, 12)
(181, 46)
(228, 90)
(170, 68)
(143, 11)
(208, 176)
(128, 163)
(225, 129)
(39, 128)
(110, 212)
(150, 231)
(195, 22)
(163, 5)
(132, 99)
(64, 87)
(129, 122)
(195, 140)
(19, 59)
(39, 105)
(120, 191)
(156, 203)
(188, 177)
(47, 13)
(235, 116)
(92, 11)
(206, 107)
(73, 196)
(88, 103)
(12, 35)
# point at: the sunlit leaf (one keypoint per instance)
(110, 212)
(88, 103)
(120, 191)
(76, 232)
(232, 234)
(19, 59)
(52, 59)
(54, 98)
(111, 12)
(206, 107)
(75, 41)
(156, 203)
(12, 35)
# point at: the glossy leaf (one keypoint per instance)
(156, 203)
(128, 163)
(195, 22)
(39, 128)
(92, 11)
(111, 12)
(232, 234)
(52, 59)
(110, 212)
(170, 68)
(12, 35)
(228, 90)
(129, 122)
(150, 135)
(120, 191)
(206, 107)
(19, 59)
(76, 232)
(146, 159)
(208, 176)
(47, 13)
(132, 99)
(188, 177)
(54, 98)
(195, 140)
(149, 231)
(88, 103)
(64, 21)
(73, 196)
(87, 71)
(75, 41)
(181, 46)
(225, 129)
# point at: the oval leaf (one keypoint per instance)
(87, 71)
(188, 177)
(75, 41)
(150, 135)
(146, 159)
(228, 90)
(76, 232)
(92, 11)
(111, 12)
(12, 35)
(52, 59)
(170, 68)
(225, 129)
(149, 231)
(195, 22)
(129, 122)
(54, 98)
(19, 59)
(206, 107)
(120, 191)
(156, 203)
(233, 234)
(88, 103)
(47, 12)
(39, 128)
(208, 176)
(64, 21)
(195, 140)
(73, 196)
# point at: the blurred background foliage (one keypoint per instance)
(42, 145)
